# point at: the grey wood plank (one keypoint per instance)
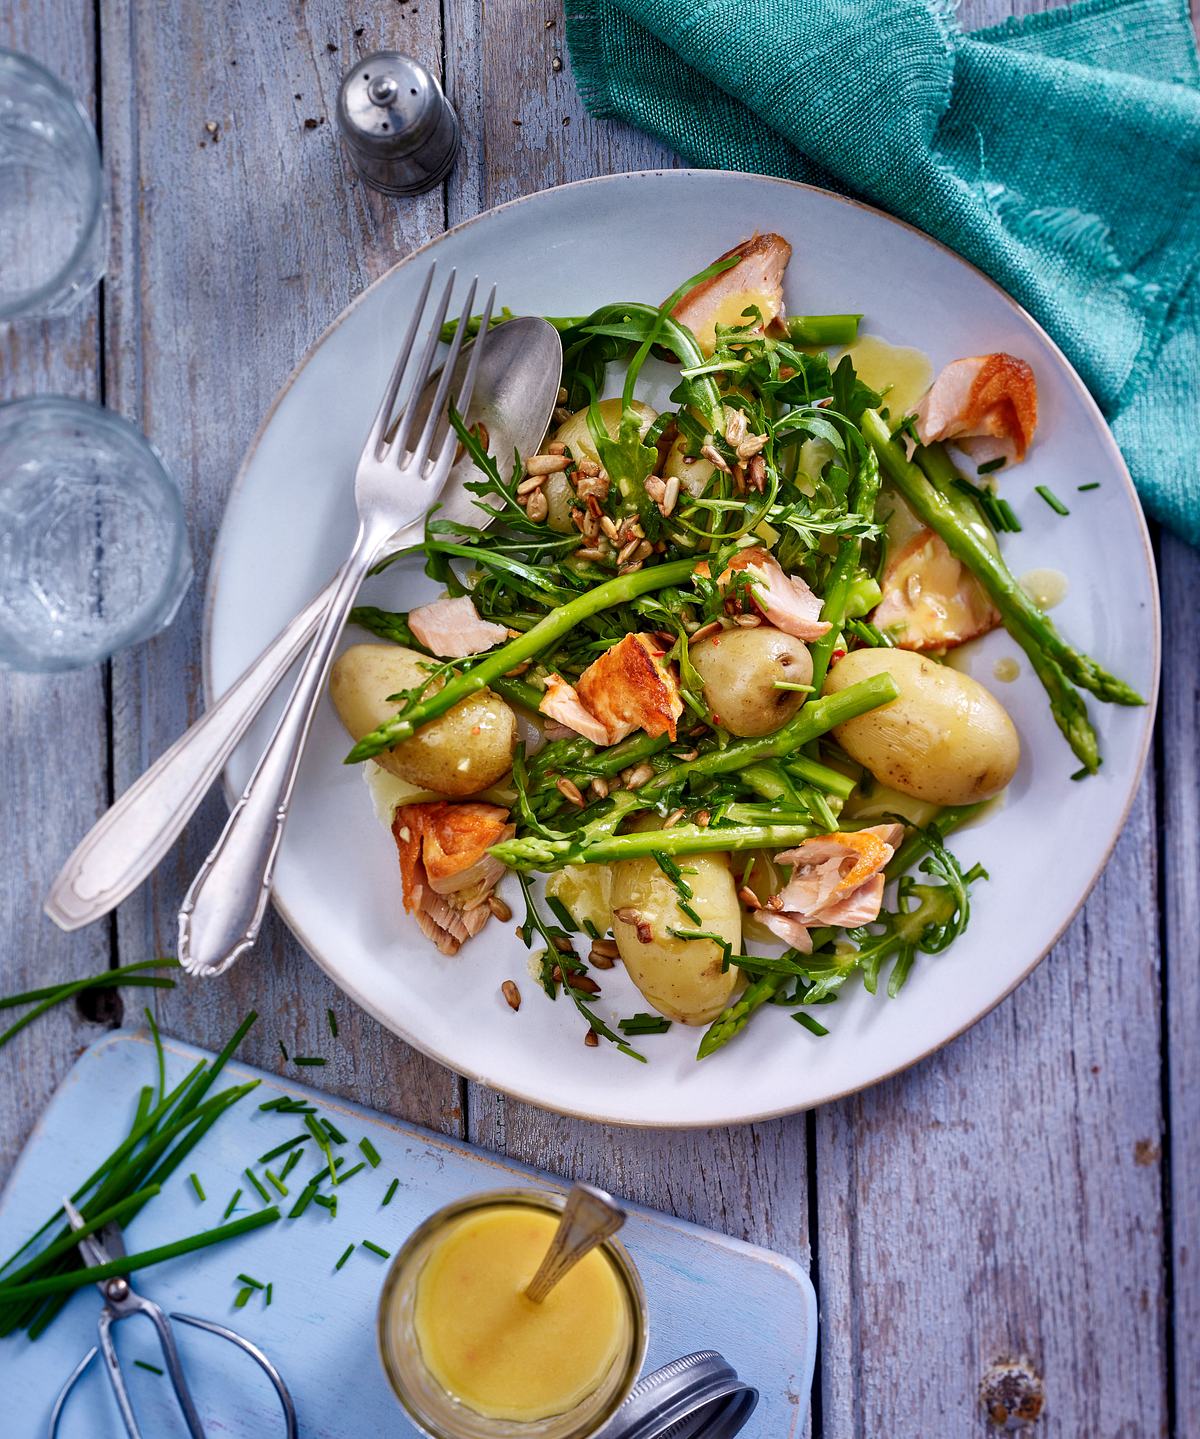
(51, 786)
(1003, 1199)
(237, 248)
(1180, 822)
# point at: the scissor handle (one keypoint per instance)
(175, 1369)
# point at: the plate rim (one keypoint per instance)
(1107, 440)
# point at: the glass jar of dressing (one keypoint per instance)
(470, 1357)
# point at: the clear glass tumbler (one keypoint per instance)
(440, 1415)
(93, 541)
(53, 197)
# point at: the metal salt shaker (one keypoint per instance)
(400, 129)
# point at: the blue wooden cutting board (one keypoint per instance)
(704, 1290)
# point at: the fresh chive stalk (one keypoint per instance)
(377, 1249)
(371, 1152)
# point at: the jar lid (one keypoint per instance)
(697, 1397)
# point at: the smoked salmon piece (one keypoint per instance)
(446, 871)
(837, 879)
(756, 280)
(629, 687)
(986, 402)
(784, 601)
(931, 601)
(452, 629)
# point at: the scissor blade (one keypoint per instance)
(92, 1246)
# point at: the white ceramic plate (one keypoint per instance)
(290, 519)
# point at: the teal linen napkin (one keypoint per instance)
(1060, 153)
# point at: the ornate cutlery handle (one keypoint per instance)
(222, 912)
(130, 840)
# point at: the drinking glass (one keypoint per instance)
(53, 198)
(93, 543)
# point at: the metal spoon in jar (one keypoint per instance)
(516, 389)
(589, 1217)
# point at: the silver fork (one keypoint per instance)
(396, 480)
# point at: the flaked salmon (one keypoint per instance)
(453, 629)
(837, 879)
(784, 601)
(931, 601)
(987, 403)
(446, 871)
(756, 280)
(629, 687)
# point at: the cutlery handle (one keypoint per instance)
(130, 840)
(223, 910)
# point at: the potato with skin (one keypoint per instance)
(461, 752)
(946, 739)
(681, 978)
(739, 668)
(576, 435)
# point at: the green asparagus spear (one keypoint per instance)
(1054, 661)
(732, 1020)
(822, 329)
(495, 665)
(1018, 610)
(598, 841)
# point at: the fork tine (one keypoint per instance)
(434, 418)
(468, 385)
(400, 440)
(384, 414)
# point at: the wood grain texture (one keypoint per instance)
(1180, 828)
(238, 246)
(43, 816)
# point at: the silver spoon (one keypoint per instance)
(589, 1217)
(516, 389)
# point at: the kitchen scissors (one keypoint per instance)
(122, 1302)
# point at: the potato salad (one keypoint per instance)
(687, 685)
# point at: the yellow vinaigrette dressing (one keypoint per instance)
(495, 1350)
(901, 373)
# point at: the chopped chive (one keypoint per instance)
(276, 1183)
(1052, 499)
(593, 932)
(392, 1187)
(282, 1149)
(644, 1024)
(332, 1018)
(562, 914)
(376, 1249)
(334, 1132)
(1011, 523)
(283, 1052)
(327, 1203)
(989, 465)
(153, 1368)
(350, 1173)
(232, 1205)
(810, 1024)
(371, 1152)
(293, 1159)
(309, 1059)
(346, 1253)
(198, 1187)
(277, 1103)
(243, 1297)
(253, 1178)
(1093, 485)
(253, 1283)
(792, 685)
(307, 1195)
(270, 1289)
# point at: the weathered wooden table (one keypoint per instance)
(1029, 1191)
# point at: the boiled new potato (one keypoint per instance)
(461, 752)
(946, 739)
(693, 478)
(739, 668)
(575, 434)
(681, 978)
(586, 890)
